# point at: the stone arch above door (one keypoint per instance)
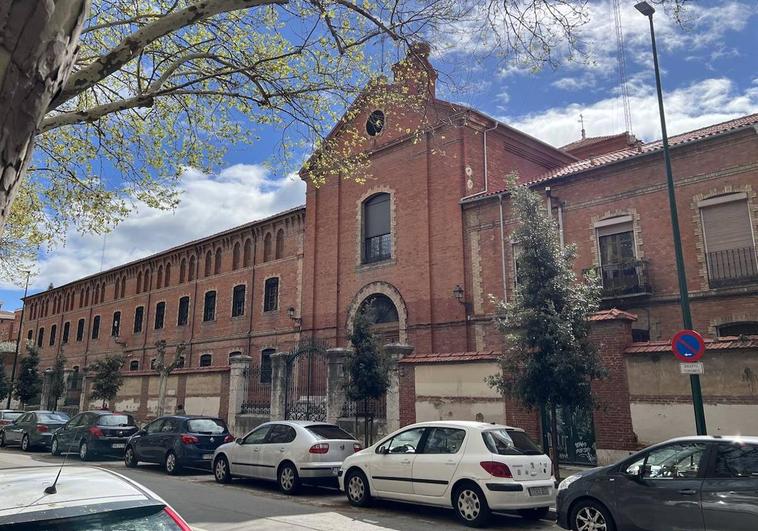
(383, 288)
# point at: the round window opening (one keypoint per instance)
(375, 123)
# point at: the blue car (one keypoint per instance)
(177, 441)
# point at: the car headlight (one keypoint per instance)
(568, 481)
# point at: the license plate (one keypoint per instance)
(539, 491)
(118, 445)
(335, 470)
(208, 456)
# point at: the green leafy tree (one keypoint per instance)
(106, 378)
(548, 361)
(29, 382)
(366, 366)
(57, 382)
(5, 386)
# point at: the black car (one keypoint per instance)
(32, 429)
(177, 441)
(685, 484)
(94, 433)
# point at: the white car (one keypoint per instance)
(287, 452)
(473, 467)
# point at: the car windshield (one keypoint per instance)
(138, 519)
(499, 442)
(52, 418)
(116, 420)
(12, 415)
(329, 431)
(205, 426)
(522, 441)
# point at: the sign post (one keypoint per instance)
(688, 346)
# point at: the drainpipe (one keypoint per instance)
(486, 172)
(549, 194)
(502, 250)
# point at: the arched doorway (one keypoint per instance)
(383, 316)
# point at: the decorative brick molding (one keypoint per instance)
(752, 205)
(385, 289)
(610, 214)
(359, 227)
(734, 317)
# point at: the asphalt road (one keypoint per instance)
(250, 504)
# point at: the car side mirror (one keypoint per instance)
(383, 450)
(238, 440)
(143, 431)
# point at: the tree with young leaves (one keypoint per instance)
(57, 384)
(366, 366)
(28, 385)
(106, 378)
(548, 360)
(164, 368)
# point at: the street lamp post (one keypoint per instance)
(684, 298)
(18, 340)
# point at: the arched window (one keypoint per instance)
(146, 283)
(247, 253)
(236, 256)
(134, 365)
(208, 263)
(95, 299)
(191, 272)
(81, 297)
(382, 314)
(377, 236)
(279, 244)
(267, 247)
(123, 286)
(86, 299)
(217, 263)
(102, 292)
(159, 278)
(167, 278)
(182, 270)
(206, 360)
(139, 282)
(743, 328)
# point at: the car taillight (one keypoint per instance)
(178, 520)
(229, 438)
(41, 428)
(96, 432)
(498, 470)
(319, 448)
(357, 447)
(189, 439)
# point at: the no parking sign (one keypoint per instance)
(688, 346)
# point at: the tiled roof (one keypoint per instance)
(588, 141)
(634, 151)
(723, 343)
(612, 315)
(445, 357)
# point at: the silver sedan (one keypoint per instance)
(288, 452)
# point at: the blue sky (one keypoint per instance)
(710, 74)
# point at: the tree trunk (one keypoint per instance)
(554, 441)
(162, 393)
(38, 44)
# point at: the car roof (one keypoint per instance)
(301, 423)
(78, 486)
(11, 411)
(464, 424)
(727, 438)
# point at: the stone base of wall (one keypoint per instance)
(246, 423)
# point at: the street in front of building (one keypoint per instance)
(250, 504)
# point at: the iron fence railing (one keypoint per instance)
(732, 267)
(377, 248)
(624, 278)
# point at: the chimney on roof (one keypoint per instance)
(415, 71)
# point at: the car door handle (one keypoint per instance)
(450, 463)
(405, 462)
(688, 492)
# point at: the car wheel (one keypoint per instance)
(221, 470)
(84, 451)
(54, 448)
(172, 464)
(589, 515)
(357, 489)
(130, 458)
(537, 513)
(471, 506)
(26, 444)
(289, 480)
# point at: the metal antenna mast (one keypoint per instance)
(621, 60)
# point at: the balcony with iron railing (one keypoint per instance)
(624, 279)
(732, 267)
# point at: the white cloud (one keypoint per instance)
(574, 83)
(210, 203)
(700, 104)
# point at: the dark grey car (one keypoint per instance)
(33, 429)
(685, 484)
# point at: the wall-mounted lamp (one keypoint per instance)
(291, 314)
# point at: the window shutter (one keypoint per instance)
(615, 228)
(377, 212)
(727, 226)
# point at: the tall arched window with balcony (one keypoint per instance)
(377, 229)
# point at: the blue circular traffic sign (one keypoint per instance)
(688, 345)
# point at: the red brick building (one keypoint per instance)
(426, 239)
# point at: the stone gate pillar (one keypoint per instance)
(278, 385)
(239, 368)
(44, 398)
(395, 352)
(67, 375)
(335, 383)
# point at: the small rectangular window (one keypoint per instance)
(80, 330)
(238, 301)
(160, 313)
(183, 313)
(66, 331)
(271, 295)
(96, 327)
(206, 360)
(116, 326)
(209, 308)
(139, 314)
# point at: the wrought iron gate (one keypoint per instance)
(576, 436)
(306, 382)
